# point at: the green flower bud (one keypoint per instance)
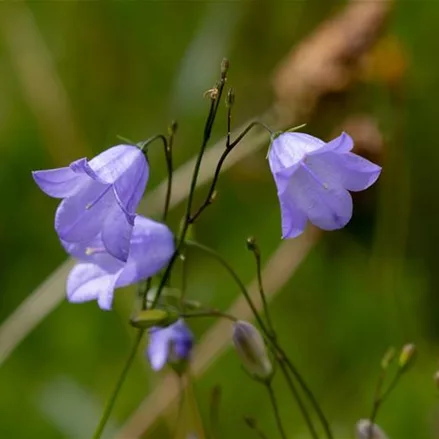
(251, 349)
(389, 356)
(407, 356)
(363, 430)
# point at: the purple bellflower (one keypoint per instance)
(172, 344)
(313, 179)
(98, 273)
(100, 196)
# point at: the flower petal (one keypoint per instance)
(158, 347)
(348, 170)
(293, 219)
(152, 245)
(328, 207)
(342, 143)
(111, 164)
(60, 182)
(80, 217)
(130, 186)
(116, 233)
(88, 281)
(93, 251)
(288, 149)
(182, 339)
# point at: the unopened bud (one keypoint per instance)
(365, 430)
(407, 356)
(389, 356)
(252, 245)
(154, 317)
(251, 349)
(224, 67)
(172, 129)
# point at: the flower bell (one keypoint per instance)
(99, 273)
(251, 349)
(313, 179)
(172, 345)
(100, 197)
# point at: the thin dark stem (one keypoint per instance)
(110, 404)
(298, 399)
(381, 398)
(147, 142)
(276, 410)
(272, 341)
(214, 407)
(207, 133)
(254, 248)
(226, 152)
(304, 387)
(170, 169)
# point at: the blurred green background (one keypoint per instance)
(129, 68)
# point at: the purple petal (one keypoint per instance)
(293, 219)
(116, 233)
(182, 339)
(152, 245)
(342, 143)
(346, 170)
(158, 347)
(288, 149)
(130, 186)
(328, 207)
(88, 281)
(80, 218)
(60, 182)
(95, 252)
(111, 164)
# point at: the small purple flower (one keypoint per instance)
(172, 344)
(313, 179)
(98, 273)
(100, 197)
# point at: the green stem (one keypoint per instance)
(276, 410)
(207, 133)
(111, 401)
(269, 337)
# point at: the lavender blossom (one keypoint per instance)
(99, 273)
(172, 345)
(100, 196)
(313, 179)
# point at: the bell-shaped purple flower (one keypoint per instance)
(172, 344)
(313, 179)
(99, 273)
(100, 197)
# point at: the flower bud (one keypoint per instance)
(365, 430)
(224, 67)
(407, 356)
(389, 356)
(251, 349)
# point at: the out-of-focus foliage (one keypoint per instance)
(128, 68)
